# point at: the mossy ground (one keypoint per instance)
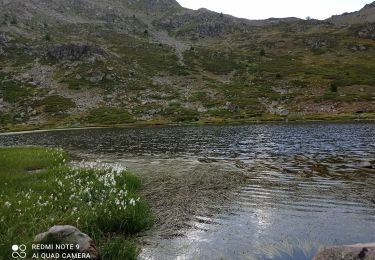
(38, 190)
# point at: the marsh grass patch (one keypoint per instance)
(101, 202)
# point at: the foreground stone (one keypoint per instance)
(367, 165)
(60, 235)
(350, 252)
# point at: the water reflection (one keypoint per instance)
(305, 184)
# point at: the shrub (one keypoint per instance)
(109, 116)
(47, 37)
(56, 104)
(333, 87)
(14, 20)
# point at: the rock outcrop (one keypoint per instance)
(367, 32)
(365, 15)
(73, 51)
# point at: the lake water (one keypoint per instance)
(306, 186)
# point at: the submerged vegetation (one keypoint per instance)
(38, 190)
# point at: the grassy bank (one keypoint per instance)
(366, 117)
(38, 190)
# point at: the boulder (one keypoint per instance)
(234, 108)
(317, 43)
(358, 47)
(361, 110)
(109, 77)
(366, 164)
(69, 235)
(350, 252)
(3, 39)
(96, 76)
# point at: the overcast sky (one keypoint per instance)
(262, 9)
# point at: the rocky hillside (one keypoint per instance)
(365, 15)
(108, 62)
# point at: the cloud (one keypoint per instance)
(262, 9)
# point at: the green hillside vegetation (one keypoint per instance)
(218, 68)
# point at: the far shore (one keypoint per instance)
(39, 129)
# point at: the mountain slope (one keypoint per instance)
(81, 62)
(365, 15)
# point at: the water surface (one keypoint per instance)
(306, 186)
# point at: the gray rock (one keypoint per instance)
(3, 39)
(358, 47)
(73, 51)
(96, 76)
(109, 77)
(367, 32)
(366, 164)
(234, 108)
(69, 235)
(317, 43)
(361, 110)
(350, 252)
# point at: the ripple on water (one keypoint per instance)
(305, 187)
